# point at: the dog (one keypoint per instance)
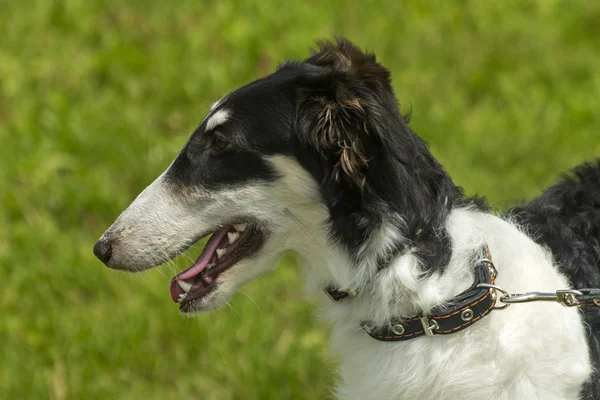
(316, 159)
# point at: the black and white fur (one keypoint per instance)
(319, 157)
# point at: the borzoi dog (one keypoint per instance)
(316, 159)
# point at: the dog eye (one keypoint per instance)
(221, 144)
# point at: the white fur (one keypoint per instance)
(217, 118)
(153, 229)
(529, 351)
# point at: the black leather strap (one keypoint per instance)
(455, 315)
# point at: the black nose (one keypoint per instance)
(103, 250)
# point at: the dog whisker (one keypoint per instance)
(250, 298)
(233, 308)
(306, 229)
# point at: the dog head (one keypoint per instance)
(314, 156)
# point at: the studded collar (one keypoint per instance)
(456, 314)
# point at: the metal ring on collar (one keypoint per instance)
(398, 329)
(497, 289)
(467, 315)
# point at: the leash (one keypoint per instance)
(566, 298)
(468, 307)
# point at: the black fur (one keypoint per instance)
(337, 114)
(566, 219)
(372, 167)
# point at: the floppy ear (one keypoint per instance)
(371, 166)
(332, 123)
(340, 114)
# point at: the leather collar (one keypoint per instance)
(453, 316)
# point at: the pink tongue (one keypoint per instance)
(199, 265)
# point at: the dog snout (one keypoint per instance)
(103, 250)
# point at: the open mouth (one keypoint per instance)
(225, 248)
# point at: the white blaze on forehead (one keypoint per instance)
(216, 119)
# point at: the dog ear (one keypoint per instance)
(340, 114)
(331, 123)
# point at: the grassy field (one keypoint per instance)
(97, 97)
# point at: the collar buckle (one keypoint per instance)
(429, 326)
(338, 295)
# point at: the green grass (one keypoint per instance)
(97, 97)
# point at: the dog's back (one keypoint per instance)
(566, 219)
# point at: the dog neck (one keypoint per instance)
(422, 271)
(400, 288)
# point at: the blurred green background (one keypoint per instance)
(97, 97)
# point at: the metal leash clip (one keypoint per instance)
(566, 298)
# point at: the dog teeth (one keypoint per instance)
(232, 236)
(182, 297)
(184, 285)
(240, 227)
(220, 253)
